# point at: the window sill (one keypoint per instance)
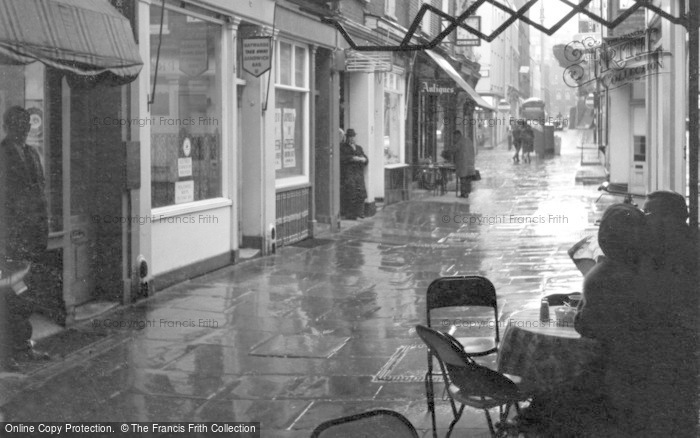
(292, 182)
(395, 165)
(190, 207)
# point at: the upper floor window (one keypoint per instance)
(427, 19)
(390, 8)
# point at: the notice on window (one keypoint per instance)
(184, 192)
(278, 138)
(289, 117)
(184, 167)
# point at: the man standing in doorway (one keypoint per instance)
(352, 177)
(24, 228)
(464, 154)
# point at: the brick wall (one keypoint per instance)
(353, 10)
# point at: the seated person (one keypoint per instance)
(672, 317)
(623, 307)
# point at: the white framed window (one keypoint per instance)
(390, 8)
(427, 19)
(291, 114)
(393, 117)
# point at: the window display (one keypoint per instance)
(186, 116)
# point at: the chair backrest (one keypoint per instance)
(471, 290)
(379, 423)
(472, 379)
(467, 290)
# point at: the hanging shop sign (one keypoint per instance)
(616, 62)
(257, 55)
(466, 38)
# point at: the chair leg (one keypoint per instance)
(431, 401)
(488, 419)
(456, 419)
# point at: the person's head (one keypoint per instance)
(16, 123)
(350, 136)
(342, 135)
(457, 133)
(620, 233)
(666, 205)
(666, 213)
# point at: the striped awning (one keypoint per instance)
(83, 37)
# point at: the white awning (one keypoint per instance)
(447, 68)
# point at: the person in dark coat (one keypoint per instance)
(644, 320)
(517, 140)
(23, 224)
(352, 177)
(673, 317)
(527, 140)
(464, 156)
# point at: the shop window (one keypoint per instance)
(186, 163)
(640, 148)
(291, 114)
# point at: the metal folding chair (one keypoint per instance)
(468, 383)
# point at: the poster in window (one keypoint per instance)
(288, 123)
(278, 138)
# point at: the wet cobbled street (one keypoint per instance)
(323, 329)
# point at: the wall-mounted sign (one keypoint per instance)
(435, 88)
(257, 55)
(503, 106)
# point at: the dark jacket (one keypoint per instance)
(23, 217)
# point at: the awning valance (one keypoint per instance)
(84, 37)
(451, 72)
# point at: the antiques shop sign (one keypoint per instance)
(435, 88)
(616, 62)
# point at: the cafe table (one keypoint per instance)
(545, 355)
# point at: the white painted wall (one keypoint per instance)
(620, 135)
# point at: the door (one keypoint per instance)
(94, 187)
(78, 173)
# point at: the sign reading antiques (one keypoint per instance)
(257, 55)
(435, 88)
(616, 62)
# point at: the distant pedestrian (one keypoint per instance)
(509, 134)
(352, 177)
(527, 140)
(517, 139)
(464, 155)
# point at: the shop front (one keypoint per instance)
(446, 102)
(71, 79)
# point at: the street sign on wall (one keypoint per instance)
(257, 55)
